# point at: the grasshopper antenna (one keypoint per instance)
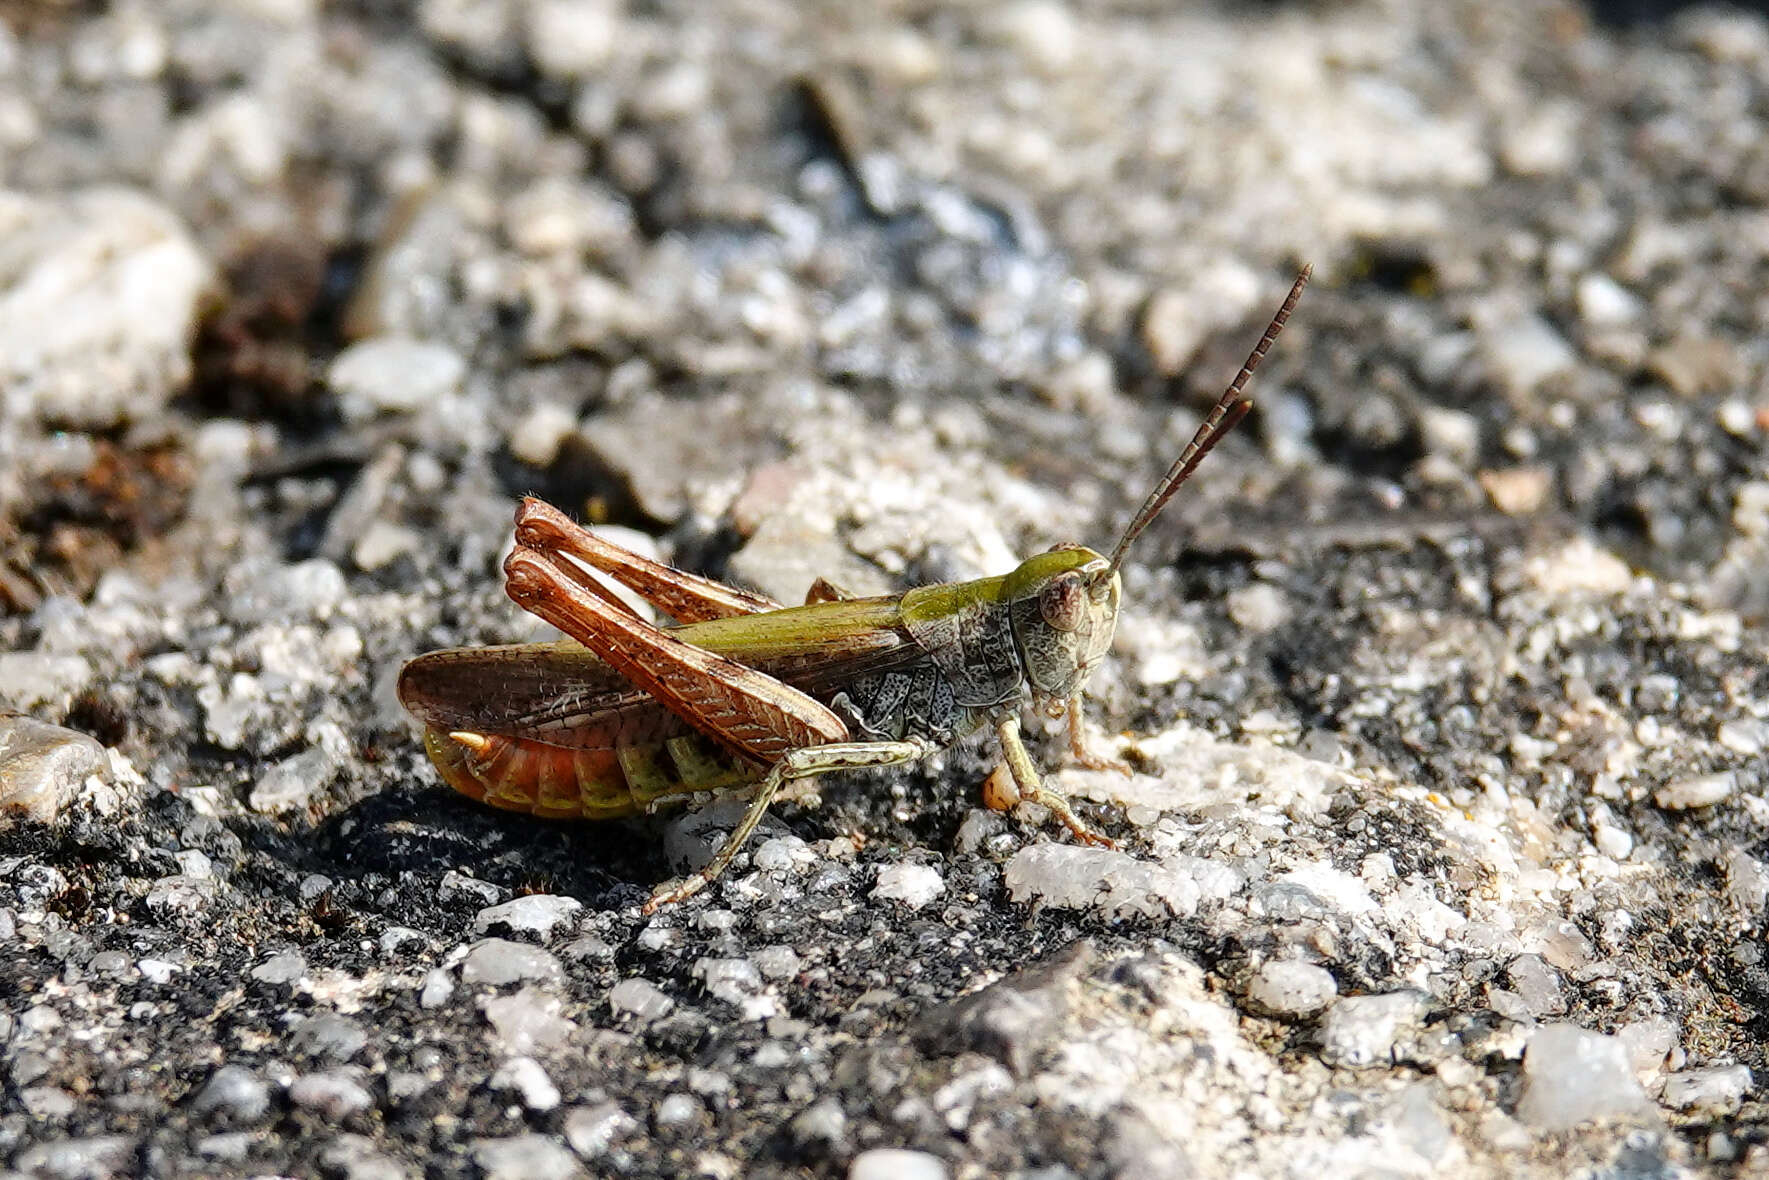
(1229, 409)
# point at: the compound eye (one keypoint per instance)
(1063, 604)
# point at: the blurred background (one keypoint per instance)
(297, 297)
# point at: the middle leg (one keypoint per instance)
(796, 766)
(1031, 788)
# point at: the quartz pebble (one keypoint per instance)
(1573, 1076)
(535, 913)
(525, 1157)
(42, 768)
(640, 999)
(913, 885)
(389, 374)
(101, 295)
(593, 1130)
(1290, 988)
(332, 1094)
(1363, 1031)
(498, 961)
(1715, 1087)
(525, 1076)
(896, 1163)
(1687, 794)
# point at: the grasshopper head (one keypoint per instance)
(1064, 606)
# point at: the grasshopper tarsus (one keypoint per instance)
(798, 765)
(745, 693)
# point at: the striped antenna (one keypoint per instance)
(1229, 409)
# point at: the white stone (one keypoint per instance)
(1291, 988)
(1578, 567)
(1718, 1086)
(1647, 1043)
(498, 961)
(1603, 302)
(896, 1163)
(394, 374)
(98, 305)
(571, 38)
(1042, 31)
(1362, 1031)
(524, 1157)
(1524, 351)
(1686, 794)
(592, 1130)
(639, 998)
(1113, 882)
(1572, 1076)
(538, 434)
(382, 543)
(528, 1022)
(525, 1076)
(536, 913)
(914, 885)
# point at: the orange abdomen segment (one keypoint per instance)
(520, 774)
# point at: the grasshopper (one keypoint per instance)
(743, 693)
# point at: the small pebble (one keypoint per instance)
(292, 783)
(678, 1110)
(524, 1157)
(232, 1146)
(394, 375)
(1603, 302)
(912, 884)
(783, 854)
(96, 1156)
(1745, 737)
(1713, 1088)
(525, 1076)
(328, 1035)
(439, 988)
(1522, 352)
(640, 999)
(538, 434)
(593, 1130)
(1537, 985)
(42, 768)
(1362, 1031)
(459, 886)
(395, 938)
(823, 1123)
(528, 1022)
(235, 1091)
(382, 543)
(1687, 794)
(1291, 988)
(50, 1103)
(285, 967)
(354, 1157)
(333, 1094)
(896, 1163)
(777, 962)
(498, 961)
(158, 970)
(1259, 608)
(1572, 1076)
(536, 913)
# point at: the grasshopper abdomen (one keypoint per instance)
(552, 782)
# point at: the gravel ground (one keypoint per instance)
(1446, 850)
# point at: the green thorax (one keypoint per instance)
(969, 629)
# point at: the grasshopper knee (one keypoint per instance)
(1000, 793)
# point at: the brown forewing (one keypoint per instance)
(562, 695)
